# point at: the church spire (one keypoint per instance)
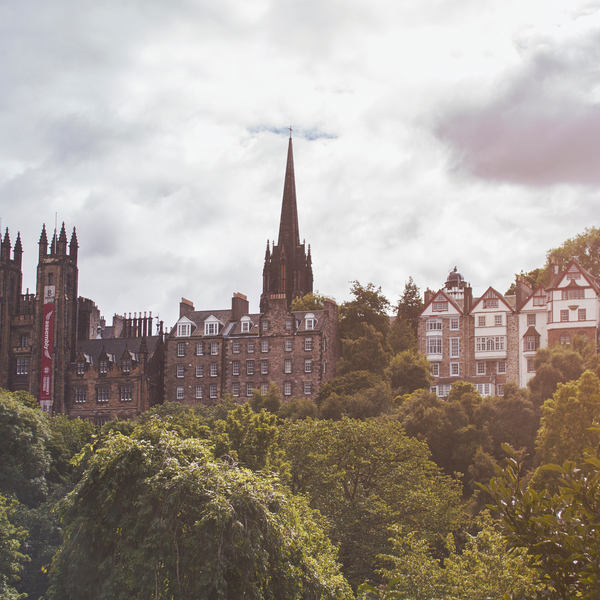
(289, 233)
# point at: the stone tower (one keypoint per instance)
(288, 266)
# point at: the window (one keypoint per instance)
(288, 324)
(565, 338)
(530, 368)
(480, 367)
(79, 395)
(213, 390)
(184, 329)
(288, 344)
(264, 388)
(501, 366)
(264, 367)
(126, 365)
(198, 391)
(236, 346)
(102, 394)
(454, 324)
(180, 371)
(249, 389)
(574, 275)
(564, 315)
(181, 349)
(309, 324)
(308, 366)
(125, 393)
(214, 369)
(250, 367)
(435, 369)
(250, 346)
(485, 389)
(531, 320)
(500, 389)
(307, 388)
(490, 303)
(454, 347)
(245, 326)
(481, 321)
(200, 348)
(454, 369)
(434, 324)
(103, 367)
(531, 343)
(576, 294)
(211, 328)
(490, 344)
(179, 392)
(581, 314)
(439, 306)
(287, 388)
(549, 316)
(308, 344)
(287, 365)
(235, 389)
(265, 325)
(214, 348)
(80, 367)
(434, 345)
(24, 341)
(264, 345)
(199, 370)
(497, 319)
(235, 367)
(539, 301)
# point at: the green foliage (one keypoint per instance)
(485, 569)
(347, 384)
(270, 402)
(584, 248)
(365, 476)
(560, 532)
(310, 301)
(250, 438)
(408, 371)
(401, 336)
(11, 559)
(364, 353)
(165, 520)
(369, 306)
(298, 408)
(410, 305)
(26, 399)
(176, 417)
(25, 461)
(364, 404)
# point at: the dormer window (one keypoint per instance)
(211, 326)
(309, 321)
(80, 368)
(184, 327)
(126, 365)
(103, 367)
(245, 325)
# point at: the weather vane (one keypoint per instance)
(290, 131)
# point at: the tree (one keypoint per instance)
(298, 408)
(25, 461)
(161, 518)
(271, 401)
(363, 404)
(560, 532)
(177, 417)
(408, 371)
(310, 301)
(364, 476)
(401, 336)
(11, 559)
(364, 353)
(584, 248)
(410, 305)
(369, 306)
(347, 384)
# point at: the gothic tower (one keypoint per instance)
(56, 318)
(288, 267)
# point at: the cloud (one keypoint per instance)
(539, 124)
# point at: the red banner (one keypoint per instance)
(47, 342)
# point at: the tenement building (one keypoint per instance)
(492, 340)
(54, 344)
(232, 351)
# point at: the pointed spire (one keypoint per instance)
(74, 245)
(53, 243)
(62, 240)
(43, 242)
(288, 227)
(5, 251)
(18, 249)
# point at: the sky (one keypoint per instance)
(427, 134)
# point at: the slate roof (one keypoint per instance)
(116, 346)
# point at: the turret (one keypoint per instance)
(73, 246)
(43, 243)
(5, 249)
(18, 250)
(62, 241)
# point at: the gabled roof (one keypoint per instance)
(573, 267)
(118, 346)
(441, 296)
(489, 294)
(539, 288)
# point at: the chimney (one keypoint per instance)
(523, 291)
(468, 291)
(428, 295)
(185, 307)
(239, 306)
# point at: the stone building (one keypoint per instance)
(213, 352)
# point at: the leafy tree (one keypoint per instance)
(310, 301)
(298, 408)
(584, 248)
(162, 519)
(271, 401)
(25, 461)
(11, 559)
(347, 384)
(177, 417)
(401, 336)
(365, 476)
(409, 371)
(410, 305)
(560, 532)
(364, 353)
(364, 404)
(369, 306)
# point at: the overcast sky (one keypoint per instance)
(427, 134)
